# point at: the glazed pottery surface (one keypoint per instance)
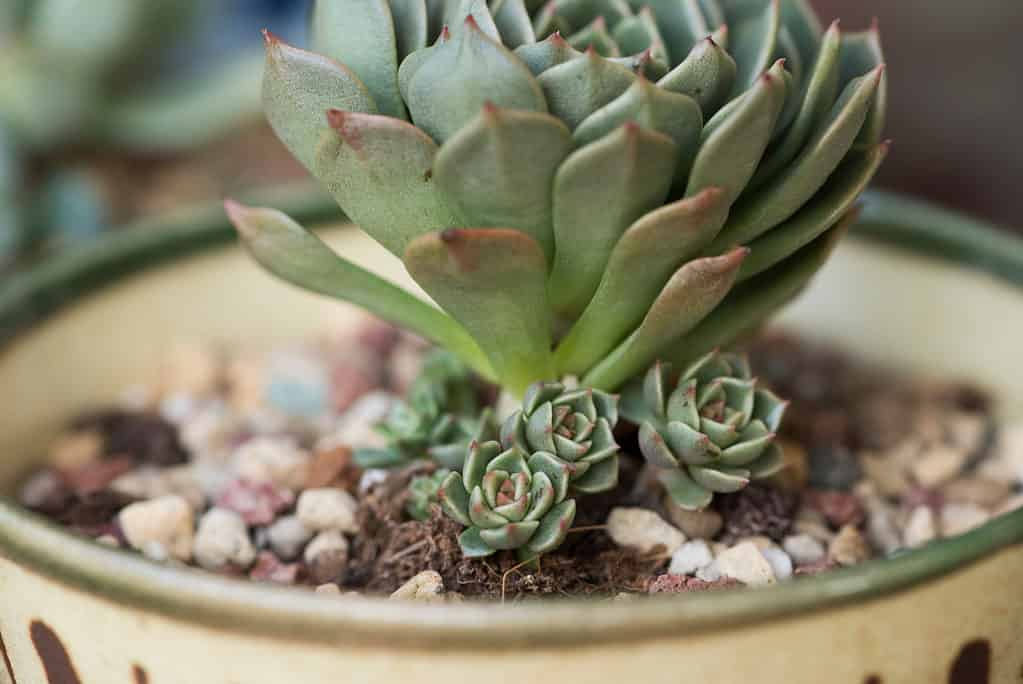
(947, 303)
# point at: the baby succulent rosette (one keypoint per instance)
(509, 501)
(576, 426)
(438, 421)
(423, 492)
(712, 431)
(582, 187)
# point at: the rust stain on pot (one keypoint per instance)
(140, 674)
(973, 664)
(55, 658)
(7, 660)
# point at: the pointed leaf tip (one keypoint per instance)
(270, 38)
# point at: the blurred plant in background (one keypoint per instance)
(955, 117)
(126, 79)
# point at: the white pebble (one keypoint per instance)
(745, 563)
(209, 430)
(710, 573)
(160, 527)
(690, 557)
(921, 528)
(357, 427)
(274, 460)
(332, 542)
(327, 509)
(222, 540)
(939, 465)
(287, 536)
(426, 586)
(371, 478)
(643, 530)
(959, 519)
(781, 562)
(804, 549)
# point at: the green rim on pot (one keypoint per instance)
(195, 596)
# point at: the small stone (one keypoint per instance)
(691, 557)
(269, 568)
(333, 468)
(838, 508)
(287, 536)
(326, 556)
(165, 524)
(759, 541)
(812, 523)
(968, 431)
(833, 467)
(427, 586)
(257, 502)
(959, 519)
(745, 563)
(677, 584)
(889, 474)
(795, 475)
(1011, 506)
(357, 426)
(223, 539)
(921, 528)
(643, 530)
(710, 573)
(849, 547)
(329, 589)
(150, 482)
(210, 429)
(276, 460)
(939, 465)
(372, 478)
(781, 562)
(705, 524)
(76, 450)
(327, 509)
(981, 491)
(46, 492)
(298, 385)
(803, 549)
(882, 529)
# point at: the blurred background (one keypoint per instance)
(112, 110)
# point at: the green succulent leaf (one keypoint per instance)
(861, 53)
(454, 82)
(755, 37)
(411, 26)
(361, 35)
(513, 23)
(826, 209)
(801, 22)
(492, 282)
(474, 545)
(292, 253)
(777, 201)
(576, 89)
(366, 160)
(548, 53)
(684, 491)
(721, 480)
(707, 75)
(734, 141)
(691, 295)
(499, 171)
(640, 265)
(599, 192)
(454, 499)
(553, 528)
(298, 89)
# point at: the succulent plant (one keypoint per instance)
(710, 431)
(575, 425)
(508, 500)
(438, 421)
(423, 492)
(582, 186)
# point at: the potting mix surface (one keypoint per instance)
(240, 462)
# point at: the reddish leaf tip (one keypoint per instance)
(270, 38)
(336, 118)
(450, 236)
(470, 21)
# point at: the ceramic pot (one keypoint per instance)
(947, 303)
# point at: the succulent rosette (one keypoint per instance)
(580, 186)
(710, 431)
(576, 426)
(423, 492)
(509, 501)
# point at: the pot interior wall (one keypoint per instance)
(903, 311)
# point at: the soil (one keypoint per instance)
(845, 417)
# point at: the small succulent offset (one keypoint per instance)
(508, 500)
(711, 431)
(582, 186)
(439, 420)
(424, 492)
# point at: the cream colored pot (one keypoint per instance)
(72, 611)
